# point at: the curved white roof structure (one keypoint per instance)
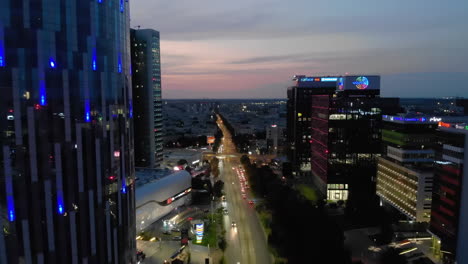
(151, 199)
(164, 188)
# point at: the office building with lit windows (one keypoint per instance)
(299, 119)
(405, 170)
(146, 79)
(66, 159)
(345, 137)
(449, 214)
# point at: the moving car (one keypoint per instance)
(233, 224)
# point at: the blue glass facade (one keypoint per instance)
(66, 158)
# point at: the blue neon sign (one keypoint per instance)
(42, 93)
(130, 109)
(52, 63)
(2, 54)
(124, 186)
(94, 60)
(120, 63)
(87, 111)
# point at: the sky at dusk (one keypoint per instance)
(252, 48)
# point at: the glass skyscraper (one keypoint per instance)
(66, 158)
(146, 69)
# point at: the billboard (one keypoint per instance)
(360, 82)
(315, 82)
(199, 232)
(210, 139)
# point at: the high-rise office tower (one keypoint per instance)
(272, 132)
(67, 169)
(299, 119)
(345, 137)
(449, 214)
(405, 170)
(146, 68)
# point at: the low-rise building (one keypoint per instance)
(405, 171)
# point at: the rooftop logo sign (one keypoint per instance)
(361, 82)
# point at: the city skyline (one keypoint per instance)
(252, 49)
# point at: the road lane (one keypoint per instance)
(247, 242)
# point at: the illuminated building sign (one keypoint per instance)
(411, 119)
(359, 83)
(175, 197)
(318, 79)
(442, 124)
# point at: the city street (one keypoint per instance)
(246, 241)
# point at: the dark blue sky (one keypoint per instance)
(251, 48)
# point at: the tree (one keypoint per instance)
(222, 243)
(245, 160)
(218, 188)
(214, 167)
(287, 169)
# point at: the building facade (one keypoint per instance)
(67, 169)
(345, 137)
(299, 120)
(272, 138)
(146, 69)
(405, 171)
(449, 214)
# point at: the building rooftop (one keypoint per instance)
(146, 175)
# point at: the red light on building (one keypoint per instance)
(11, 110)
(117, 153)
(112, 177)
(37, 106)
(326, 151)
(311, 141)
